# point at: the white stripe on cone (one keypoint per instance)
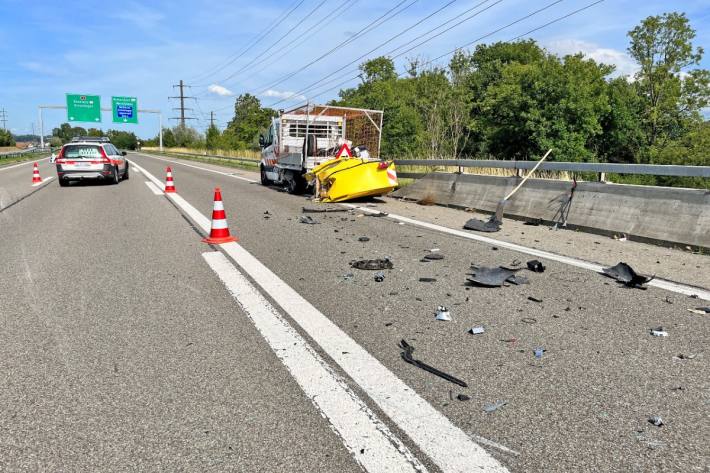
(219, 224)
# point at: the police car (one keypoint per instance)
(91, 158)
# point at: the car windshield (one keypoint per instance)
(81, 151)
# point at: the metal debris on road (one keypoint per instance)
(700, 310)
(442, 313)
(490, 277)
(477, 330)
(379, 276)
(659, 332)
(311, 210)
(348, 276)
(463, 397)
(494, 406)
(427, 279)
(489, 226)
(378, 214)
(363, 239)
(307, 219)
(529, 320)
(625, 274)
(536, 266)
(407, 356)
(433, 256)
(656, 420)
(534, 299)
(373, 264)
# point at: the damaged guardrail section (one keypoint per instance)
(666, 215)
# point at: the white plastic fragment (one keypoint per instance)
(442, 313)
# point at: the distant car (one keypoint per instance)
(91, 158)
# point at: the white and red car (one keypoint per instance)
(91, 158)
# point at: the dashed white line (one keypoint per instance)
(369, 441)
(660, 283)
(153, 188)
(198, 167)
(451, 449)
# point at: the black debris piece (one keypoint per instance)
(536, 266)
(372, 264)
(625, 274)
(489, 226)
(534, 299)
(407, 356)
(379, 276)
(493, 277)
(363, 239)
(434, 256)
(307, 219)
(267, 214)
(311, 210)
(463, 397)
(427, 279)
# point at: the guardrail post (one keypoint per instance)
(602, 177)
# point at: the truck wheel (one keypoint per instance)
(295, 184)
(264, 180)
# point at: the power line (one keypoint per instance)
(280, 19)
(471, 43)
(181, 86)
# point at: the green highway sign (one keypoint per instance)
(83, 108)
(125, 109)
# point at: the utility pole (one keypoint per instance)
(211, 119)
(3, 119)
(181, 86)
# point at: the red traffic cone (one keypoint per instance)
(169, 184)
(35, 175)
(219, 233)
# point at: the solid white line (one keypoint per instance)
(31, 161)
(198, 167)
(349, 417)
(447, 445)
(153, 188)
(658, 282)
(46, 179)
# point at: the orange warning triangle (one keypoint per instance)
(344, 151)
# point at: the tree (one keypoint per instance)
(6, 138)
(213, 137)
(662, 46)
(169, 140)
(186, 137)
(122, 139)
(249, 120)
(66, 132)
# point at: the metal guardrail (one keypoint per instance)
(599, 168)
(253, 162)
(13, 154)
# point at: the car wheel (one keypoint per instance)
(63, 183)
(116, 176)
(125, 173)
(264, 180)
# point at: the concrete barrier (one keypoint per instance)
(664, 215)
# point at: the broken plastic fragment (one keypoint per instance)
(489, 277)
(659, 332)
(442, 313)
(477, 330)
(656, 420)
(372, 264)
(427, 279)
(307, 219)
(363, 239)
(407, 356)
(494, 406)
(534, 299)
(434, 256)
(378, 214)
(624, 273)
(489, 226)
(535, 266)
(379, 276)
(463, 397)
(539, 352)
(700, 310)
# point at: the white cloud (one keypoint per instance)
(285, 94)
(39, 68)
(219, 90)
(139, 15)
(625, 64)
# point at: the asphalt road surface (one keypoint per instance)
(129, 344)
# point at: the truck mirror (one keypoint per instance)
(261, 140)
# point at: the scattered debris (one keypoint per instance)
(536, 266)
(477, 330)
(427, 279)
(407, 356)
(539, 352)
(683, 356)
(311, 210)
(700, 310)
(373, 264)
(494, 406)
(308, 220)
(534, 299)
(463, 397)
(434, 256)
(529, 320)
(489, 226)
(348, 276)
(515, 262)
(656, 420)
(491, 277)
(434, 250)
(267, 215)
(659, 332)
(625, 274)
(442, 313)
(379, 276)
(363, 239)
(378, 214)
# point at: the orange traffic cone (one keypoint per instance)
(35, 175)
(219, 233)
(169, 184)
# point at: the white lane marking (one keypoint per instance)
(447, 445)
(46, 179)
(658, 282)
(198, 167)
(31, 161)
(493, 444)
(349, 417)
(153, 188)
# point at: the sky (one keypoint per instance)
(225, 48)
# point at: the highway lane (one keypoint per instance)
(121, 350)
(585, 403)
(16, 179)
